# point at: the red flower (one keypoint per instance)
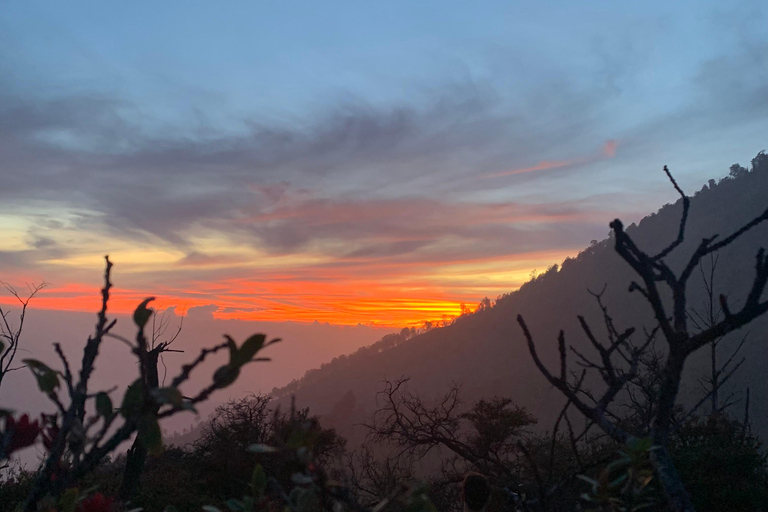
(19, 434)
(97, 503)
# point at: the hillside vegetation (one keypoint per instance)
(399, 425)
(486, 354)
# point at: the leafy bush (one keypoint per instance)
(722, 464)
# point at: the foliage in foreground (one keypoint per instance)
(86, 427)
(254, 458)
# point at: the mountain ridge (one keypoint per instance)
(486, 354)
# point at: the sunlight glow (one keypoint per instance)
(387, 294)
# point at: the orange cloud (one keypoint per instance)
(381, 292)
(608, 150)
(392, 262)
(541, 166)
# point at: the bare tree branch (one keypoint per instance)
(680, 341)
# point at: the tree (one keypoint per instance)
(719, 371)
(152, 352)
(722, 463)
(77, 442)
(10, 335)
(445, 436)
(223, 448)
(760, 161)
(736, 171)
(655, 279)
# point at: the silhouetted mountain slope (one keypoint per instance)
(486, 353)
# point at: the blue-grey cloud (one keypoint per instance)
(91, 151)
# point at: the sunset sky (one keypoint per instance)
(353, 162)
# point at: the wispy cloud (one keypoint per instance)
(410, 203)
(541, 166)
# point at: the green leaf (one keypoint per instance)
(142, 314)
(149, 433)
(188, 406)
(47, 379)
(420, 502)
(619, 464)
(250, 348)
(226, 375)
(643, 481)
(639, 445)
(591, 481)
(68, 500)
(303, 454)
(133, 400)
(232, 348)
(235, 505)
(261, 448)
(168, 395)
(209, 508)
(258, 481)
(618, 482)
(301, 479)
(104, 405)
(172, 396)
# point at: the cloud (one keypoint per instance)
(400, 226)
(202, 313)
(15, 259)
(439, 191)
(386, 249)
(609, 148)
(89, 151)
(735, 85)
(541, 166)
(43, 249)
(727, 92)
(200, 259)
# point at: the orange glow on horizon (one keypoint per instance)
(390, 293)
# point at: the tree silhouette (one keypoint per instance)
(152, 352)
(77, 443)
(10, 335)
(657, 280)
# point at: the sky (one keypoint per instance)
(375, 163)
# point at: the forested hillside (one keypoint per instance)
(486, 354)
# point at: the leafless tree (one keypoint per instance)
(373, 475)
(10, 334)
(656, 277)
(444, 438)
(720, 371)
